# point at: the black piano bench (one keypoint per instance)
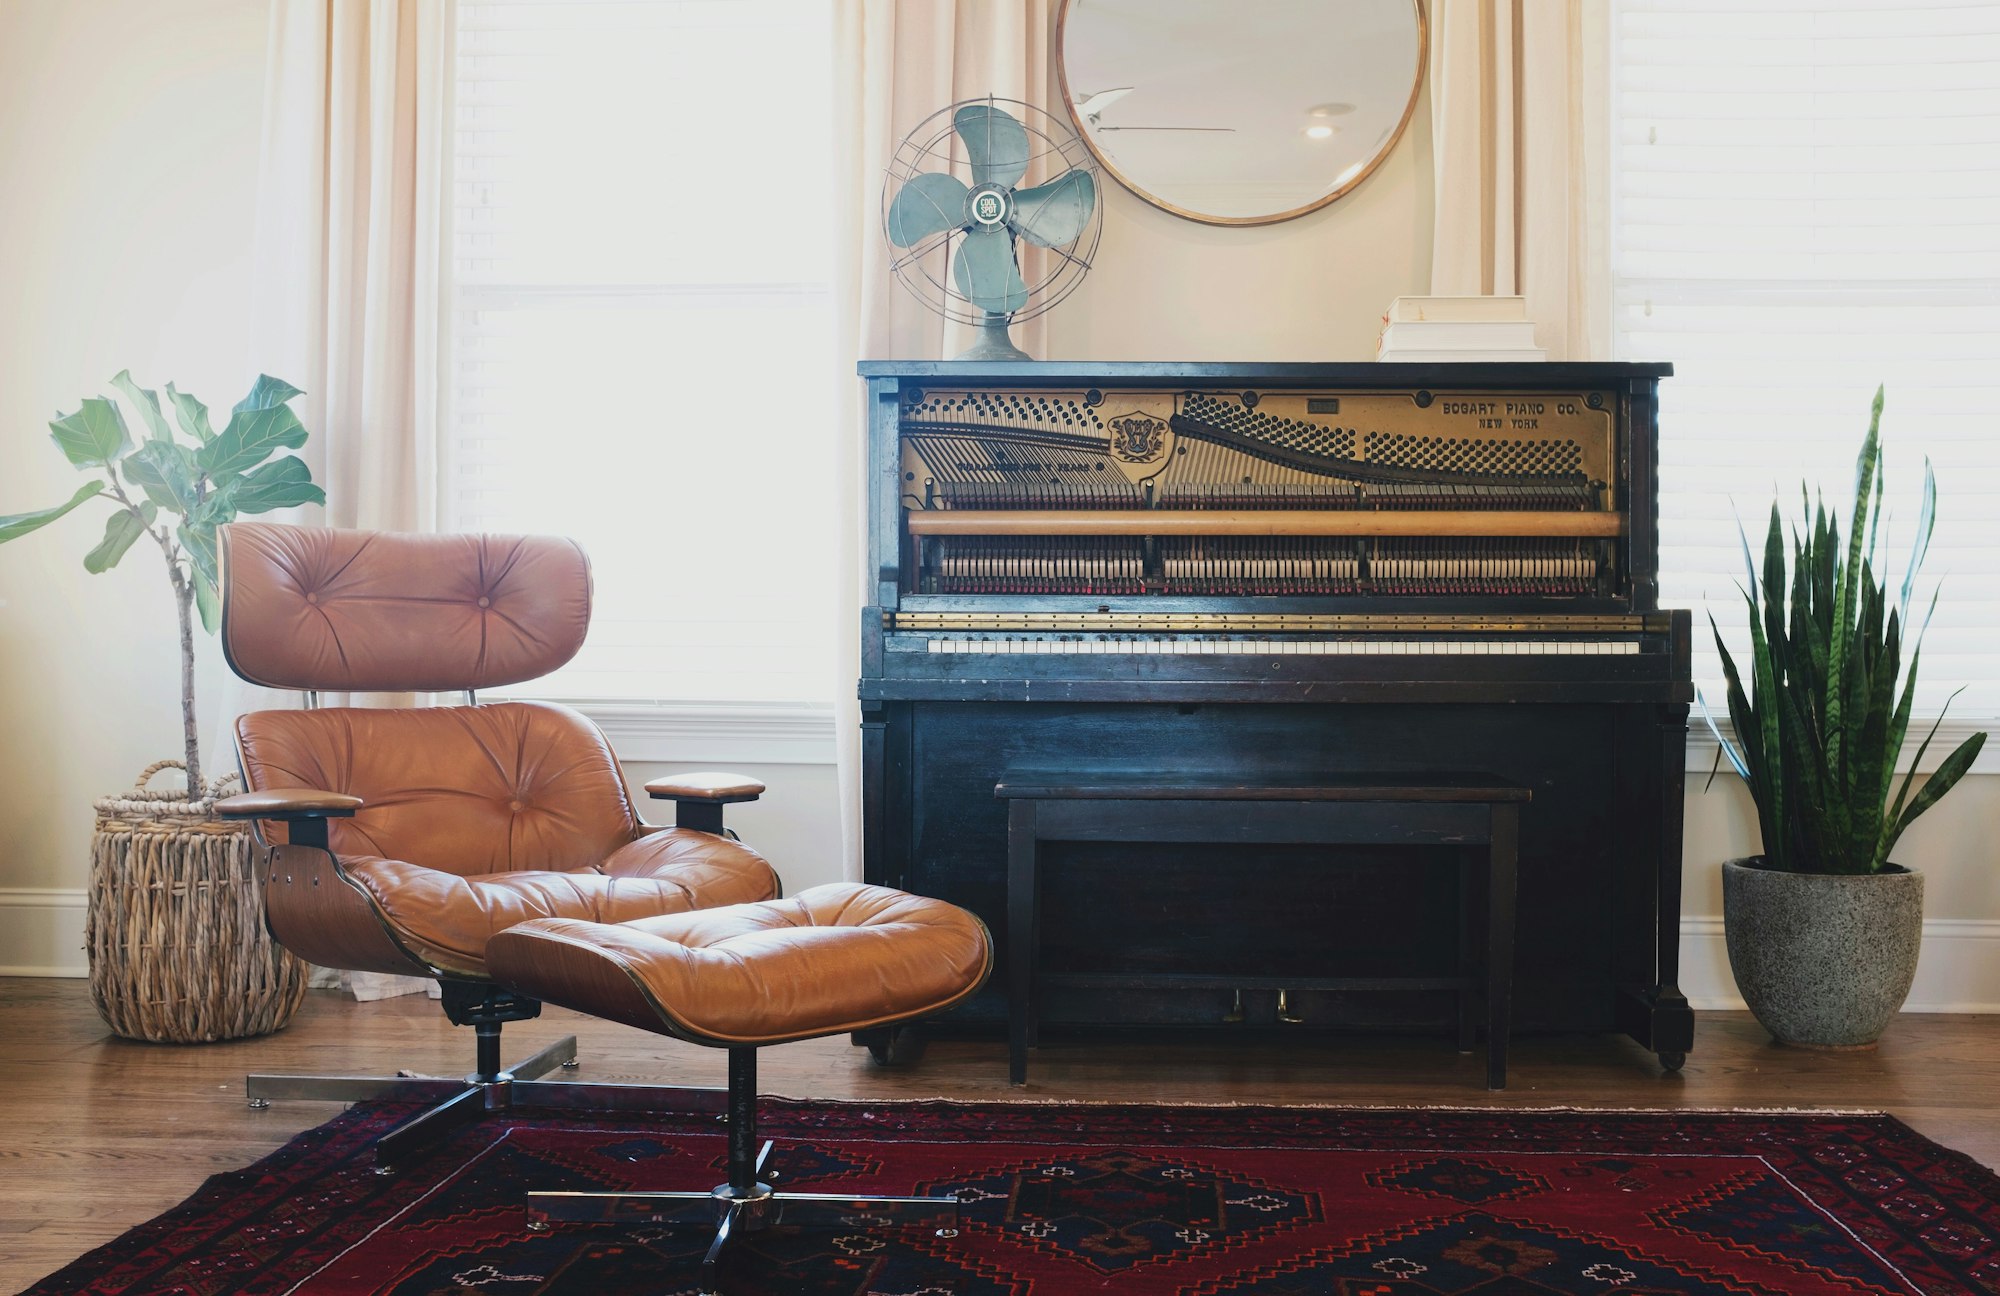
(1332, 810)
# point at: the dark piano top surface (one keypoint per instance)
(1196, 785)
(1366, 373)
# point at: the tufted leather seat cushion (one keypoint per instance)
(476, 818)
(828, 960)
(448, 920)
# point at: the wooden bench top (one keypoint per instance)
(1428, 786)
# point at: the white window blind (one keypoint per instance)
(1807, 204)
(642, 329)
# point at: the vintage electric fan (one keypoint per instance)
(954, 208)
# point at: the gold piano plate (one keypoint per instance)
(1280, 622)
(1380, 440)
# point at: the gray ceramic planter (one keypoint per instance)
(1823, 960)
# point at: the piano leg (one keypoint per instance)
(1022, 952)
(1468, 956)
(1658, 1015)
(1502, 853)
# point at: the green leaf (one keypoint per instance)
(1750, 756)
(218, 506)
(94, 435)
(193, 415)
(207, 603)
(1764, 680)
(148, 403)
(1774, 579)
(1865, 472)
(1723, 747)
(120, 530)
(15, 525)
(251, 437)
(266, 393)
(1892, 747)
(281, 483)
(199, 542)
(1873, 757)
(1949, 771)
(166, 471)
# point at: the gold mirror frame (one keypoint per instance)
(1368, 168)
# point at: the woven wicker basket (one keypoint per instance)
(175, 926)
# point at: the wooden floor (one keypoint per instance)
(98, 1134)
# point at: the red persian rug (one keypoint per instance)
(1081, 1198)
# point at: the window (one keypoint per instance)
(642, 329)
(1806, 204)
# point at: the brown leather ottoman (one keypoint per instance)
(827, 961)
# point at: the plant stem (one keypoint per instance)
(184, 603)
(190, 737)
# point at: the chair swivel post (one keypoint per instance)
(743, 1122)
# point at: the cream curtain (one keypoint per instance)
(1520, 111)
(352, 202)
(353, 198)
(896, 63)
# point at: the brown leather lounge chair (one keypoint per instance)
(405, 839)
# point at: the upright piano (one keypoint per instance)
(1266, 569)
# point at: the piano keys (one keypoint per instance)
(1077, 645)
(1261, 569)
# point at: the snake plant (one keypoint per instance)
(1818, 731)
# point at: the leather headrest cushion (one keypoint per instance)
(314, 608)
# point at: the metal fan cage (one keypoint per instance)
(933, 145)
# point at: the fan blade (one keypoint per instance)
(927, 204)
(996, 143)
(986, 273)
(1054, 213)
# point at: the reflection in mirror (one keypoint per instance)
(1240, 112)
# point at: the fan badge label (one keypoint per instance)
(988, 207)
(1137, 438)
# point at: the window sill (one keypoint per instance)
(1701, 745)
(714, 733)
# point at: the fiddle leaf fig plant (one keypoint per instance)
(1819, 729)
(177, 489)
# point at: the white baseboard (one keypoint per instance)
(1958, 972)
(41, 932)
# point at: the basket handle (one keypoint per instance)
(216, 787)
(146, 775)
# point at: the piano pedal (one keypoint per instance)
(1234, 1016)
(1285, 1013)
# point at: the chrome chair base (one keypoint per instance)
(747, 1203)
(456, 1103)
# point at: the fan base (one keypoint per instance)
(993, 344)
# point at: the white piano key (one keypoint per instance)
(1250, 646)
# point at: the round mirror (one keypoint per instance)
(1240, 113)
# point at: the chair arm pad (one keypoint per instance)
(288, 803)
(705, 785)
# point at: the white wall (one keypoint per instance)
(128, 161)
(128, 151)
(1314, 288)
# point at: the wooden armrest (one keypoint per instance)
(711, 786)
(699, 797)
(288, 804)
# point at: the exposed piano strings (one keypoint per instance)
(1199, 493)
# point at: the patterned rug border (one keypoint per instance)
(225, 1186)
